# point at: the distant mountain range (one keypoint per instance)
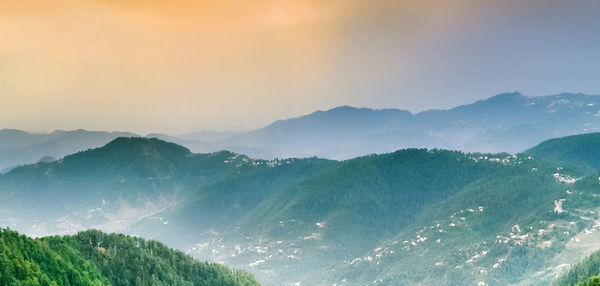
(414, 216)
(509, 122)
(19, 147)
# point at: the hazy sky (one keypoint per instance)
(174, 66)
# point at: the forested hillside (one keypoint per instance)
(585, 273)
(463, 218)
(96, 258)
(580, 151)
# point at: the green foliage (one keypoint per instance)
(96, 258)
(593, 281)
(519, 191)
(584, 273)
(26, 261)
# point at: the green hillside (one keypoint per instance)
(311, 219)
(497, 230)
(330, 223)
(593, 281)
(96, 258)
(411, 217)
(586, 273)
(579, 151)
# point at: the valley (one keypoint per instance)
(464, 218)
(299, 143)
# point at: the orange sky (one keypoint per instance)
(176, 66)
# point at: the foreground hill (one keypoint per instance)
(585, 273)
(96, 258)
(410, 217)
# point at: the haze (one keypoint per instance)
(178, 66)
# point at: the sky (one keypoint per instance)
(175, 66)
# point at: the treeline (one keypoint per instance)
(585, 273)
(96, 258)
(594, 281)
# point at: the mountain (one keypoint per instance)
(20, 147)
(509, 122)
(410, 217)
(578, 150)
(375, 218)
(96, 258)
(108, 187)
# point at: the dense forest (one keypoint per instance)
(585, 273)
(577, 150)
(96, 258)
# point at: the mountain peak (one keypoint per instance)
(348, 108)
(127, 156)
(337, 120)
(506, 96)
(345, 108)
(133, 143)
(12, 131)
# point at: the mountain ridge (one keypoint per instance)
(483, 126)
(345, 132)
(338, 220)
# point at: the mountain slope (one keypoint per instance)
(313, 214)
(345, 220)
(580, 151)
(411, 217)
(126, 179)
(96, 258)
(350, 217)
(586, 272)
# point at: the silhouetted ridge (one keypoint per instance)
(344, 120)
(506, 96)
(134, 156)
(144, 144)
